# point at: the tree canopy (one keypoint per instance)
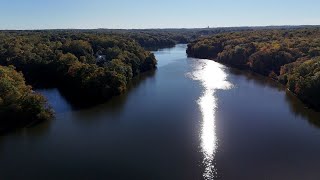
(93, 65)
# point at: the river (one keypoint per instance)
(190, 119)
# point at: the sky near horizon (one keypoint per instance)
(127, 14)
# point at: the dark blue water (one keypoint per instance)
(191, 119)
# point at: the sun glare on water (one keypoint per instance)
(212, 77)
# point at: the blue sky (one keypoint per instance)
(49, 14)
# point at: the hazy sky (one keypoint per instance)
(48, 14)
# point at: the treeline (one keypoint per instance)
(19, 105)
(290, 56)
(154, 39)
(88, 66)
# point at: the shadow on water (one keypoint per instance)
(296, 106)
(62, 103)
(300, 109)
(79, 103)
(159, 48)
(38, 129)
(114, 106)
(258, 79)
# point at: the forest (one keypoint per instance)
(290, 56)
(88, 66)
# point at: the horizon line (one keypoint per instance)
(164, 28)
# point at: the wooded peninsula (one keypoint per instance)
(89, 66)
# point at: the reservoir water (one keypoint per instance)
(190, 119)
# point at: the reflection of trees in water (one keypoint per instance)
(34, 130)
(38, 129)
(296, 106)
(79, 102)
(300, 109)
(258, 79)
(113, 106)
(160, 48)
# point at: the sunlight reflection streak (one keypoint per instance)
(212, 77)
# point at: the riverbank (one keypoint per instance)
(277, 54)
(307, 102)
